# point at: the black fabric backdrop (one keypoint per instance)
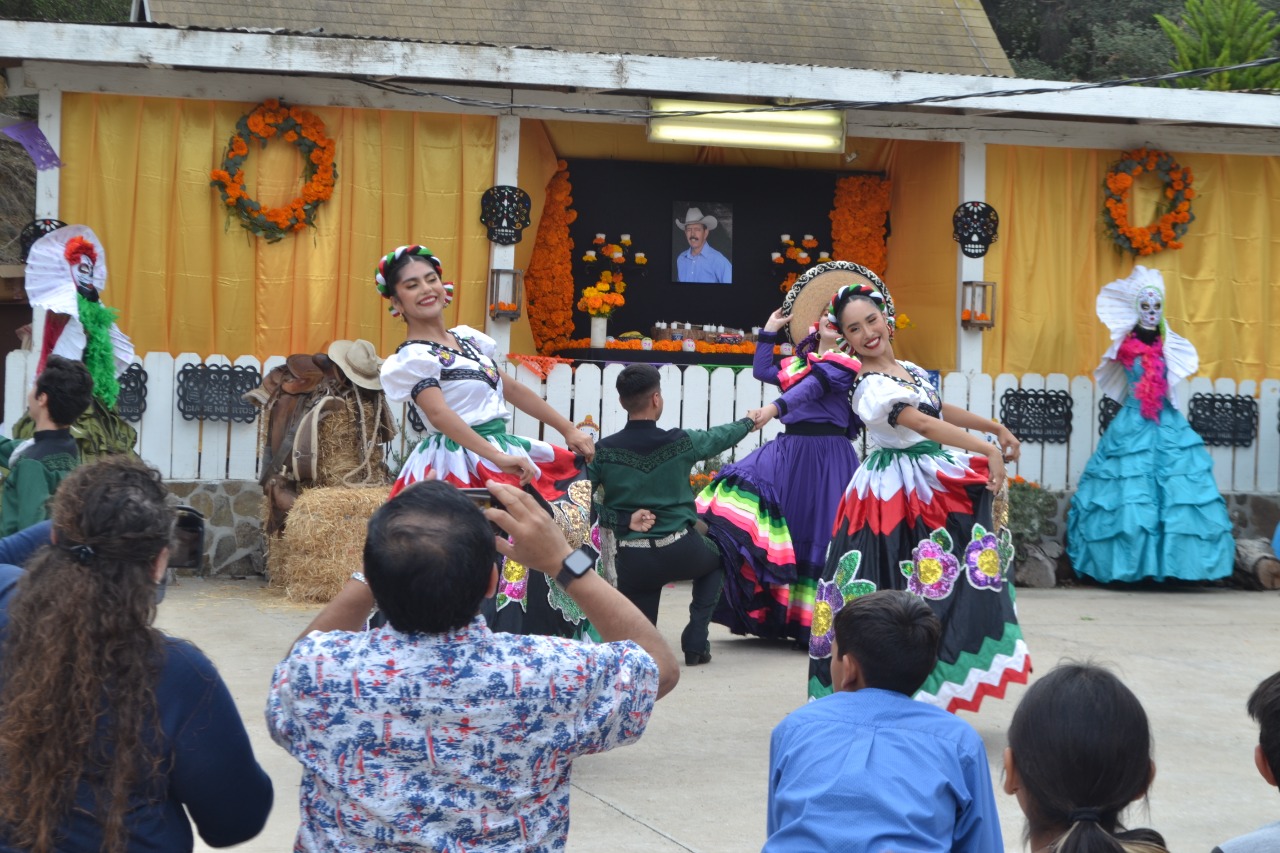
(618, 197)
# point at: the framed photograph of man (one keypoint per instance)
(702, 243)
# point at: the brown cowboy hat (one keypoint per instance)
(810, 297)
(359, 361)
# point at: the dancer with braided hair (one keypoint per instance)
(451, 376)
(113, 735)
(918, 516)
(770, 513)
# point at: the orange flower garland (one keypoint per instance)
(548, 283)
(542, 365)
(858, 221)
(307, 133)
(1175, 207)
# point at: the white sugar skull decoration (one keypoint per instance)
(1150, 303)
(504, 210)
(974, 226)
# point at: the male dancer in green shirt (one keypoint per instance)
(640, 476)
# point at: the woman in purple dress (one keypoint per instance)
(771, 513)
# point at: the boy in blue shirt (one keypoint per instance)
(870, 769)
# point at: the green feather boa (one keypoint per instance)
(99, 352)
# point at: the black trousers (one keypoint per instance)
(643, 572)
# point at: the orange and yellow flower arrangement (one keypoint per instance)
(858, 219)
(548, 283)
(307, 133)
(1173, 210)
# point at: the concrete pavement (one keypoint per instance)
(696, 781)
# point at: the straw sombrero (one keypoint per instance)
(810, 297)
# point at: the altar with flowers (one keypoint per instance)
(604, 280)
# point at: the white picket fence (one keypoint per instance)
(696, 397)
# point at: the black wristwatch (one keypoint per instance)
(577, 564)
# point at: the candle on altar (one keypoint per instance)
(639, 256)
(786, 237)
(626, 237)
(808, 236)
(773, 256)
(591, 255)
(599, 236)
(824, 256)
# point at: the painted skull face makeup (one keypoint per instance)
(1150, 307)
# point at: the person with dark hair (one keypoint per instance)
(61, 393)
(918, 515)
(450, 376)
(114, 736)
(771, 512)
(433, 732)
(1264, 707)
(1079, 753)
(867, 768)
(642, 496)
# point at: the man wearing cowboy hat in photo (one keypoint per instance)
(701, 262)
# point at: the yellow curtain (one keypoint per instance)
(1052, 257)
(922, 256)
(184, 279)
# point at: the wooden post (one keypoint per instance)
(506, 163)
(973, 187)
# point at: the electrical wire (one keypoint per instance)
(483, 103)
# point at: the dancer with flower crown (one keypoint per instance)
(1147, 505)
(771, 512)
(451, 376)
(918, 516)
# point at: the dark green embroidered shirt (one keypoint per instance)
(33, 476)
(643, 467)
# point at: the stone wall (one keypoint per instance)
(1253, 516)
(232, 509)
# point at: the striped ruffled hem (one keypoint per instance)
(962, 685)
(760, 523)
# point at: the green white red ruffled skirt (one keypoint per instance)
(920, 519)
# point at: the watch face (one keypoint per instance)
(580, 561)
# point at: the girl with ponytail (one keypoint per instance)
(1079, 753)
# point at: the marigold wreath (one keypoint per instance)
(1174, 208)
(307, 133)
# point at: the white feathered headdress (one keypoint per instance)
(1118, 308)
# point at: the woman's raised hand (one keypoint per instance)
(997, 474)
(762, 416)
(519, 466)
(1009, 444)
(580, 443)
(776, 321)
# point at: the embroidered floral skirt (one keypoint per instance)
(527, 602)
(770, 515)
(919, 519)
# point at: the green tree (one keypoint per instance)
(1086, 39)
(1213, 33)
(81, 11)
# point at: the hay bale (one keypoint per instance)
(323, 542)
(342, 440)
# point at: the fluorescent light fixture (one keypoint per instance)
(722, 124)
